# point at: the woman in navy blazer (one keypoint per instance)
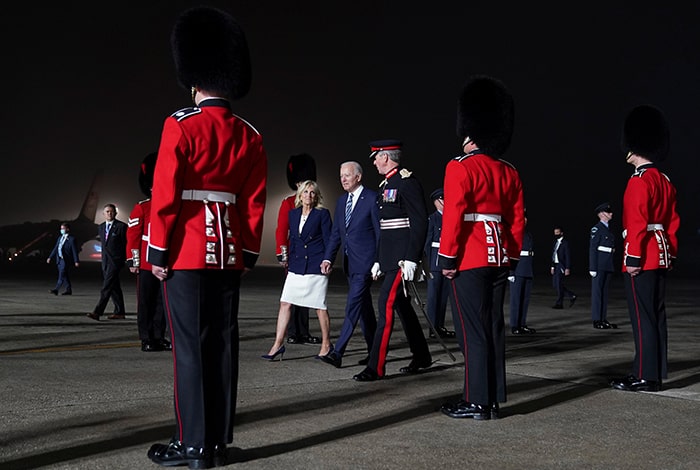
(309, 232)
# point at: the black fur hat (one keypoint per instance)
(300, 168)
(146, 170)
(485, 115)
(210, 51)
(646, 133)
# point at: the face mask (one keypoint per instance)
(63, 231)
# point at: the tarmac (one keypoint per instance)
(80, 394)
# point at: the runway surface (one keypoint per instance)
(80, 394)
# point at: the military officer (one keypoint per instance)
(521, 279)
(403, 221)
(650, 226)
(600, 266)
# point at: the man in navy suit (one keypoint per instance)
(65, 253)
(521, 286)
(561, 268)
(112, 233)
(356, 230)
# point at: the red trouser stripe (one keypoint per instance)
(388, 324)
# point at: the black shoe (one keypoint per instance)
(442, 332)
(364, 362)
(294, 339)
(67, 293)
(332, 358)
(311, 340)
(572, 301)
(464, 409)
(220, 455)
(148, 345)
(557, 306)
(633, 384)
(415, 365)
(528, 330)
(494, 411)
(53, 291)
(176, 454)
(164, 344)
(93, 315)
(517, 331)
(599, 325)
(367, 375)
(609, 325)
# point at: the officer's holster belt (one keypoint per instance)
(606, 249)
(482, 218)
(527, 253)
(654, 227)
(210, 196)
(390, 224)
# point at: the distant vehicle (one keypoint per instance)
(35, 240)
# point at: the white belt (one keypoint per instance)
(652, 227)
(435, 244)
(606, 249)
(482, 218)
(527, 253)
(388, 224)
(204, 195)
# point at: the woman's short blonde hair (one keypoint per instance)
(318, 200)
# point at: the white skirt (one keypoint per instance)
(305, 290)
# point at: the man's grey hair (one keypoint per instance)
(394, 155)
(356, 166)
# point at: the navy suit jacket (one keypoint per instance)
(563, 254)
(360, 239)
(69, 250)
(114, 247)
(306, 249)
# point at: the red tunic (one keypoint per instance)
(137, 236)
(208, 148)
(649, 220)
(482, 190)
(282, 231)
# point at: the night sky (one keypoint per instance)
(87, 86)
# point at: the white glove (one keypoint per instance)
(511, 278)
(375, 271)
(593, 273)
(408, 269)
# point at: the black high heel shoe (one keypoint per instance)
(328, 354)
(271, 357)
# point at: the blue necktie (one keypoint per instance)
(348, 209)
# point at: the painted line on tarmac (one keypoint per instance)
(86, 347)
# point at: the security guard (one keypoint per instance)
(209, 194)
(600, 266)
(403, 221)
(650, 225)
(482, 234)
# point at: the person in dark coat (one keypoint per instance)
(600, 266)
(65, 255)
(521, 280)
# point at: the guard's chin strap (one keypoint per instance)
(467, 140)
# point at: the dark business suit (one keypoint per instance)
(65, 257)
(359, 241)
(437, 283)
(521, 286)
(564, 263)
(600, 261)
(306, 249)
(113, 260)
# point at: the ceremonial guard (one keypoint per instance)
(300, 168)
(600, 266)
(482, 233)
(521, 279)
(403, 222)
(650, 225)
(209, 193)
(150, 317)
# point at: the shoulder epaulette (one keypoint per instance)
(144, 200)
(639, 172)
(405, 173)
(459, 158)
(184, 113)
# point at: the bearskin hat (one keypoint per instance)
(485, 115)
(210, 51)
(646, 133)
(146, 170)
(300, 168)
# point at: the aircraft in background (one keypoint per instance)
(33, 241)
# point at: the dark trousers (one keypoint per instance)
(436, 305)
(600, 285)
(392, 298)
(559, 286)
(111, 288)
(150, 314)
(299, 323)
(520, 290)
(202, 310)
(646, 302)
(477, 298)
(358, 307)
(63, 275)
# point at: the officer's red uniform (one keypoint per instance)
(282, 230)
